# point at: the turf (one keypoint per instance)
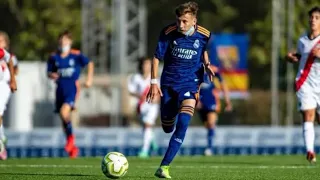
(197, 167)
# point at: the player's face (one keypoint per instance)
(65, 41)
(3, 43)
(314, 21)
(146, 68)
(185, 22)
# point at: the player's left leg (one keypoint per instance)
(184, 117)
(65, 114)
(149, 116)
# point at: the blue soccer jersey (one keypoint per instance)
(182, 57)
(69, 70)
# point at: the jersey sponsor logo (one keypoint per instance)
(66, 72)
(183, 53)
(196, 44)
(71, 62)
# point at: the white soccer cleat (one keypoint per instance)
(311, 157)
(208, 152)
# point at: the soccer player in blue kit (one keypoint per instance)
(209, 106)
(64, 67)
(182, 47)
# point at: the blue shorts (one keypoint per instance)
(209, 103)
(66, 96)
(171, 100)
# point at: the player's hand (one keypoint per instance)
(228, 107)
(209, 71)
(316, 52)
(13, 86)
(293, 57)
(54, 76)
(88, 83)
(153, 93)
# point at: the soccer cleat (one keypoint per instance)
(311, 157)
(163, 172)
(143, 154)
(74, 152)
(3, 151)
(208, 152)
(70, 144)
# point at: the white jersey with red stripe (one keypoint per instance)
(4, 60)
(307, 82)
(139, 85)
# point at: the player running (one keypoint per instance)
(138, 86)
(182, 47)
(64, 67)
(5, 90)
(307, 83)
(5, 93)
(209, 107)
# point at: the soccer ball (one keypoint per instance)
(114, 165)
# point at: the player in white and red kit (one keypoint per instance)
(5, 88)
(307, 83)
(138, 86)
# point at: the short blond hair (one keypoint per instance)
(6, 38)
(188, 7)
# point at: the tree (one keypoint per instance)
(35, 25)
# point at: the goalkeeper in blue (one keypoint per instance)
(182, 46)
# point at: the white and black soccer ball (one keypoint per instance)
(114, 165)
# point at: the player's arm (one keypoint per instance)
(294, 55)
(15, 65)
(206, 62)
(84, 61)
(90, 74)
(159, 54)
(225, 91)
(51, 69)
(8, 59)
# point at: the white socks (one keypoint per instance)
(147, 138)
(2, 136)
(308, 134)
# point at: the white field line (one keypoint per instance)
(154, 167)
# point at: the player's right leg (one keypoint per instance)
(4, 98)
(64, 106)
(211, 118)
(168, 109)
(307, 106)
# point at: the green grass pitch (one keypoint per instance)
(184, 168)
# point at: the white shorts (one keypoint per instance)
(5, 93)
(308, 99)
(149, 113)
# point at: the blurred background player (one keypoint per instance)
(209, 106)
(64, 67)
(7, 85)
(307, 80)
(183, 48)
(138, 87)
(4, 44)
